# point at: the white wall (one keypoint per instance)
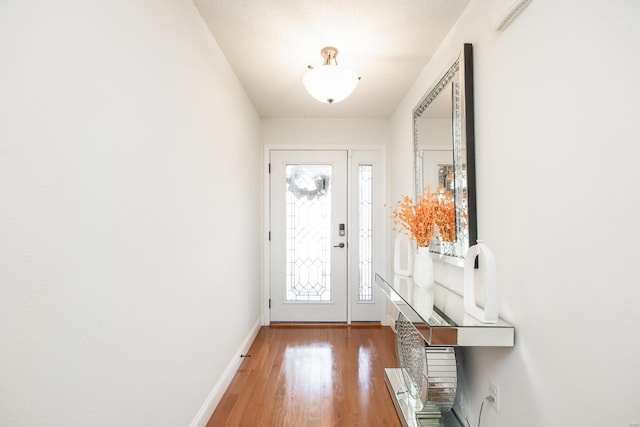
(129, 269)
(556, 106)
(325, 132)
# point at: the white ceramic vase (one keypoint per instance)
(487, 272)
(423, 267)
(403, 255)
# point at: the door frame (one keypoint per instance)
(266, 252)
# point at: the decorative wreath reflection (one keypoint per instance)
(305, 182)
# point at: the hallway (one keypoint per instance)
(312, 376)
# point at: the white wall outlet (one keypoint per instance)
(494, 393)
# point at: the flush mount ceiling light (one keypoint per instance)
(330, 83)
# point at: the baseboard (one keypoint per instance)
(204, 414)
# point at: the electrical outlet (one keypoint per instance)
(494, 392)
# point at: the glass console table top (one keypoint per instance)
(438, 315)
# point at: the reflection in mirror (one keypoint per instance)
(444, 151)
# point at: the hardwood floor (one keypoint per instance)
(324, 376)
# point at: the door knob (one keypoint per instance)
(340, 245)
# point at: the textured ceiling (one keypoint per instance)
(270, 43)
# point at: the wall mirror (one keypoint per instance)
(443, 133)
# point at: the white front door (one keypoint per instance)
(308, 216)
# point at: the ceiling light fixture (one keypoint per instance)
(330, 83)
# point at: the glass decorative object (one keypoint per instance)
(429, 373)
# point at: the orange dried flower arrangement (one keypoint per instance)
(434, 215)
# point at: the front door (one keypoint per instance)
(308, 215)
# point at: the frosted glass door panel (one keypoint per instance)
(308, 233)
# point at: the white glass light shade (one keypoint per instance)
(330, 83)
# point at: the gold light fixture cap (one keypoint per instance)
(329, 53)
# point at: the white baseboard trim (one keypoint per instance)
(204, 414)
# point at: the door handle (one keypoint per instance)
(340, 245)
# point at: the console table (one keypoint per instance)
(431, 321)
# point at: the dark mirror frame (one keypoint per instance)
(460, 75)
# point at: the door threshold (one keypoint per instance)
(325, 325)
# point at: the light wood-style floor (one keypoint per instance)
(308, 376)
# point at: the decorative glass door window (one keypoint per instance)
(308, 233)
(365, 232)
